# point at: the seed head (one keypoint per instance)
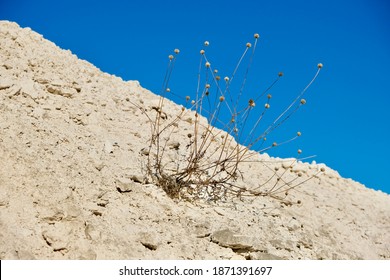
(176, 51)
(189, 135)
(187, 97)
(257, 36)
(274, 144)
(320, 65)
(280, 74)
(167, 89)
(206, 43)
(201, 51)
(299, 174)
(207, 85)
(269, 96)
(233, 120)
(303, 101)
(192, 102)
(299, 151)
(218, 78)
(235, 129)
(322, 169)
(208, 64)
(252, 103)
(221, 98)
(248, 45)
(170, 57)
(267, 106)
(226, 79)
(299, 133)
(215, 71)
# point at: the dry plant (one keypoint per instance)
(208, 166)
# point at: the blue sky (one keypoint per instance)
(345, 122)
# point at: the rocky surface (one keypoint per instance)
(72, 150)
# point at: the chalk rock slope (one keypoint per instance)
(72, 186)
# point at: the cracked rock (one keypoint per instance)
(229, 239)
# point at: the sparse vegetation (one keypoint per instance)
(208, 165)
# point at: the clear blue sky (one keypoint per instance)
(346, 119)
